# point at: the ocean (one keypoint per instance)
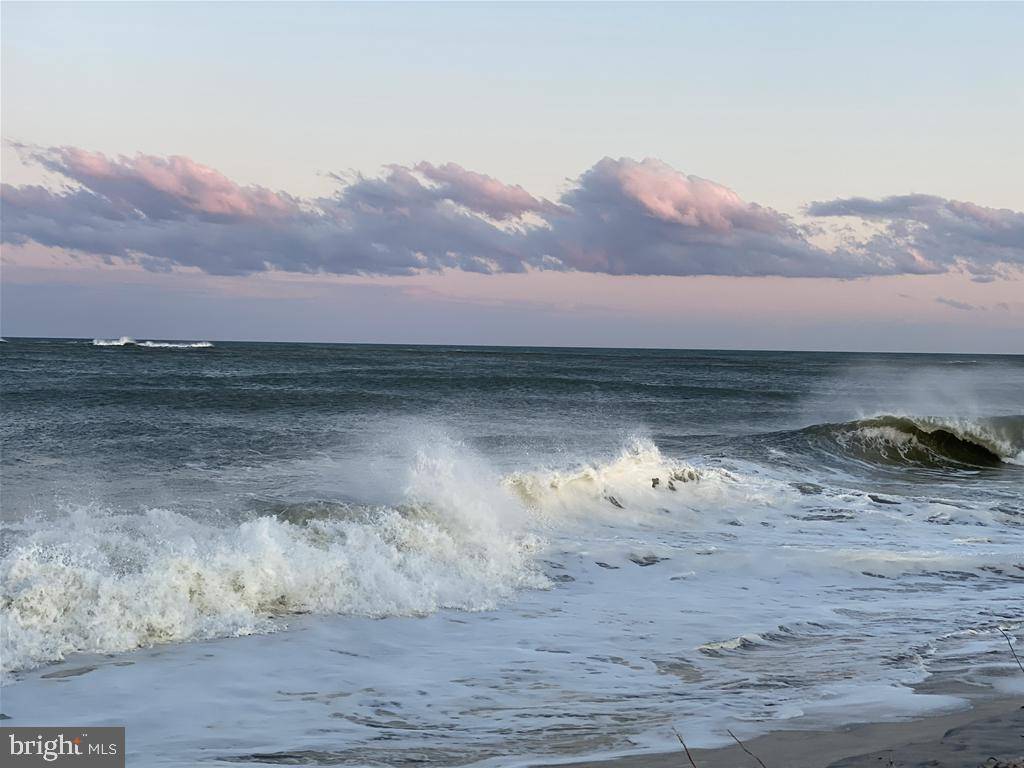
(394, 555)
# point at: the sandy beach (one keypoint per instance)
(990, 733)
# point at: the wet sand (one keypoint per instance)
(989, 734)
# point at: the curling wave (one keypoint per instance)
(929, 441)
(128, 341)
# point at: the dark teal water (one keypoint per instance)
(130, 424)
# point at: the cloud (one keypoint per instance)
(938, 234)
(482, 193)
(962, 305)
(646, 218)
(170, 188)
(620, 217)
(175, 212)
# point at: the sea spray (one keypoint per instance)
(106, 583)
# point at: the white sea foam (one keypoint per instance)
(128, 341)
(639, 481)
(463, 538)
(176, 345)
(114, 584)
(105, 582)
(663, 596)
(124, 341)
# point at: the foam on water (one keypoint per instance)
(577, 603)
(638, 481)
(104, 582)
(577, 625)
(465, 538)
(283, 549)
(128, 341)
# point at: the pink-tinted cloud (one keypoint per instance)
(483, 193)
(620, 217)
(164, 188)
(672, 196)
(646, 218)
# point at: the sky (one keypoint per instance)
(781, 176)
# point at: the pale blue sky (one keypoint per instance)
(783, 103)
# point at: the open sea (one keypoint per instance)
(254, 554)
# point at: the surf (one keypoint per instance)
(108, 583)
(105, 581)
(128, 341)
(638, 481)
(927, 441)
(462, 536)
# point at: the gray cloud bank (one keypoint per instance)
(938, 234)
(621, 217)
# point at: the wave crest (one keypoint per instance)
(930, 441)
(116, 583)
(637, 479)
(128, 341)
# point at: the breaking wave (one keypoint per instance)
(462, 537)
(97, 581)
(116, 583)
(929, 441)
(127, 341)
(637, 480)
(465, 538)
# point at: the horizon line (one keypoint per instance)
(214, 340)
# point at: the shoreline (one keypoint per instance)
(987, 734)
(985, 731)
